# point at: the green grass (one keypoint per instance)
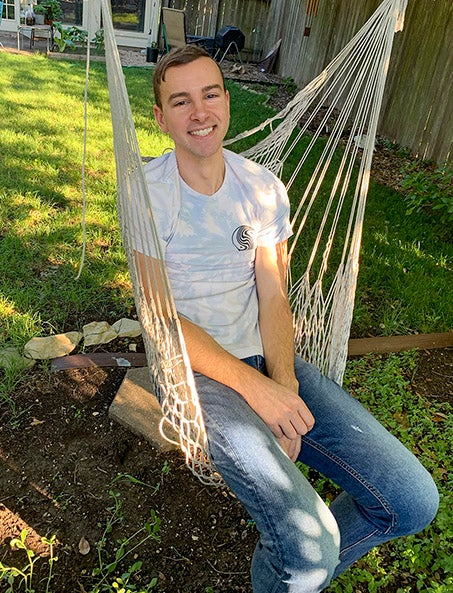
(406, 270)
(404, 283)
(41, 201)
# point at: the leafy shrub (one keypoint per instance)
(429, 189)
(71, 37)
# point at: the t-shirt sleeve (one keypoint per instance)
(276, 226)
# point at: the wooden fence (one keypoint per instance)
(418, 103)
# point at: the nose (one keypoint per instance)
(199, 112)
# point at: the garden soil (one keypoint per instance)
(65, 467)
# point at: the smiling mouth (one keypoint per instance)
(201, 133)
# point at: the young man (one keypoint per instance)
(224, 223)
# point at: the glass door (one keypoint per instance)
(72, 12)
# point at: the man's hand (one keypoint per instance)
(281, 408)
(291, 446)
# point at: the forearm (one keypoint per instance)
(277, 334)
(209, 358)
(277, 404)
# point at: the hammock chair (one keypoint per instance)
(336, 115)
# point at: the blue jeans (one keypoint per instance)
(303, 543)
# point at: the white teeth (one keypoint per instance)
(204, 132)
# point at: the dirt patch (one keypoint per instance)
(61, 460)
(433, 378)
(64, 466)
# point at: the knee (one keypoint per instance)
(420, 507)
(307, 565)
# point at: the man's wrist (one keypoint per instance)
(288, 379)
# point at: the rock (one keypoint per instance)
(127, 328)
(52, 346)
(11, 358)
(98, 332)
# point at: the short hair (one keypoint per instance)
(178, 57)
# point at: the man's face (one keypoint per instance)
(195, 108)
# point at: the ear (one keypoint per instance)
(227, 96)
(159, 115)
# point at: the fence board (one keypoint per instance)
(206, 17)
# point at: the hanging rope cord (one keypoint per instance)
(84, 159)
(168, 362)
(345, 97)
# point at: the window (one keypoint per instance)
(72, 12)
(129, 15)
(9, 11)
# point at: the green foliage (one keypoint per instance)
(98, 39)
(109, 576)
(72, 37)
(11, 574)
(290, 86)
(110, 561)
(51, 9)
(430, 189)
(420, 562)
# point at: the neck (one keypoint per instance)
(204, 175)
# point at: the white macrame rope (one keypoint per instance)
(84, 159)
(338, 111)
(168, 362)
(349, 89)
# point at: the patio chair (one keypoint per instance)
(174, 31)
(267, 63)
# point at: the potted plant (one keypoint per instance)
(51, 10)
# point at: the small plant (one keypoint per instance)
(125, 547)
(70, 37)
(429, 189)
(98, 40)
(51, 10)
(25, 575)
(290, 86)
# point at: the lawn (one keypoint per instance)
(404, 282)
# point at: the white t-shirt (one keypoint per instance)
(209, 245)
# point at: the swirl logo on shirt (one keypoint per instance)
(243, 238)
